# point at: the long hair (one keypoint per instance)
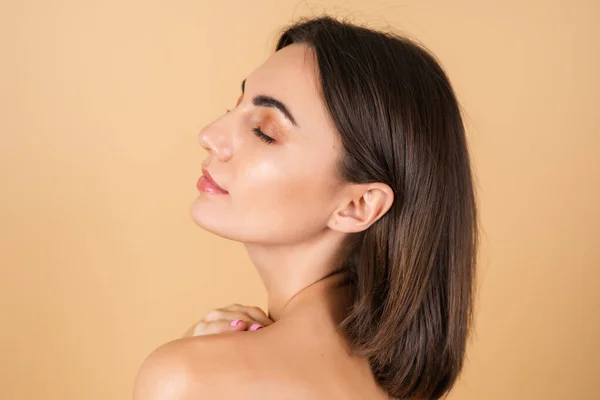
(413, 270)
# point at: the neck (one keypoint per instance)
(298, 274)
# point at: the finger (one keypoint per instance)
(208, 328)
(219, 315)
(256, 313)
(232, 316)
(255, 327)
(251, 315)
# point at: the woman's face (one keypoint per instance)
(279, 192)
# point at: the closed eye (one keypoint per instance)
(261, 135)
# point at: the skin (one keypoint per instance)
(292, 211)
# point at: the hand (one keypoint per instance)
(234, 317)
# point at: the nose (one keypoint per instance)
(213, 139)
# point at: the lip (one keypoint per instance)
(208, 184)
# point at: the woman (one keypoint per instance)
(345, 172)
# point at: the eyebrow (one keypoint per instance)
(268, 101)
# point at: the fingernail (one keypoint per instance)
(255, 327)
(236, 322)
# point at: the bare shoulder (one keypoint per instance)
(213, 366)
(271, 363)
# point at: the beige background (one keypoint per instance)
(101, 103)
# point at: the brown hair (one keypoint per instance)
(413, 270)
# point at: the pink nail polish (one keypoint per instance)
(236, 322)
(255, 327)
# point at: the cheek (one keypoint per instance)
(286, 202)
(299, 182)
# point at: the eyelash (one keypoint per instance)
(261, 134)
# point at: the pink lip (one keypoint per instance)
(208, 185)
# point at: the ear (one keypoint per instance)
(361, 207)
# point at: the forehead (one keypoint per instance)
(289, 71)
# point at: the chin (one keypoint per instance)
(210, 217)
